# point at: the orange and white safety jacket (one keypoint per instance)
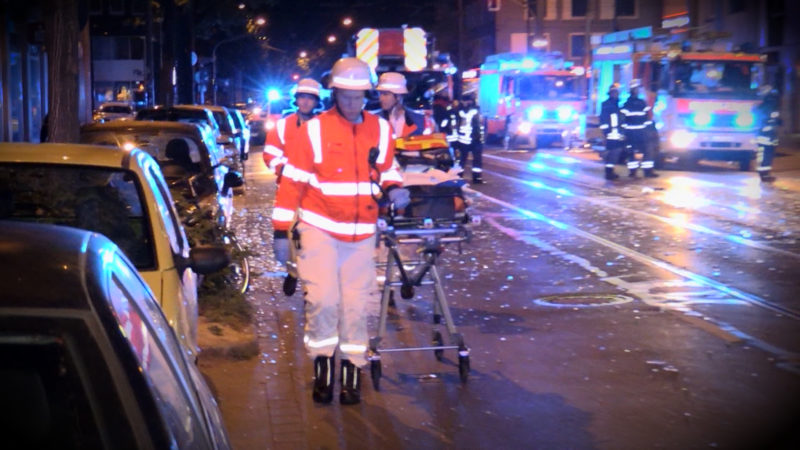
(327, 178)
(285, 129)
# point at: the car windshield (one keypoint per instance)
(116, 109)
(547, 87)
(224, 121)
(104, 200)
(736, 79)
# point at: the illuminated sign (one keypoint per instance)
(674, 22)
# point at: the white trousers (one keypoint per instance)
(339, 282)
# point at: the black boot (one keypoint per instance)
(610, 175)
(632, 173)
(477, 180)
(351, 384)
(324, 371)
(648, 173)
(766, 177)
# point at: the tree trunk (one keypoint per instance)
(61, 25)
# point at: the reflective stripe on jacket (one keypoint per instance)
(327, 178)
(470, 126)
(635, 113)
(610, 122)
(287, 128)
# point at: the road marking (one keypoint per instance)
(731, 295)
(675, 222)
(646, 259)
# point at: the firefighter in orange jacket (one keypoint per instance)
(333, 170)
(306, 97)
(391, 90)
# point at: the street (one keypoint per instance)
(647, 313)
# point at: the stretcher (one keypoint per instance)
(437, 216)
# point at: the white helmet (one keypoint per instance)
(351, 74)
(308, 86)
(392, 82)
(635, 83)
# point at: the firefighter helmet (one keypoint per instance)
(635, 83)
(392, 82)
(351, 74)
(308, 86)
(614, 87)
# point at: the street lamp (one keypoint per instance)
(259, 21)
(347, 21)
(331, 39)
(303, 54)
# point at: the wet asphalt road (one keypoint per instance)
(634, 314)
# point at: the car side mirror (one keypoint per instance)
(206, 259)
(233, 179)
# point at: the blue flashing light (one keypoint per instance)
(529, 63)
(536, 113)
(565, 113)
(701, 118)
(273, 94)
(744, 119)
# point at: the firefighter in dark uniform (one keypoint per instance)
(637, 127)
(610, 125)
(470, 135)
(769, 120)
(449, 126)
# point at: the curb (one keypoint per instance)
(219, 340)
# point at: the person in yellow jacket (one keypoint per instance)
(307, 98)
(341, 161)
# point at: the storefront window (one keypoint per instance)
(15, 95)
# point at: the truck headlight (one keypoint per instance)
(536, 113)
(524, 127)
(744, 119)
(565, 113)
(681, 138)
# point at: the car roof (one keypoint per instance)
(144, 125)
(36, 257)
(69, 154)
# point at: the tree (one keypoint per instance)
(61, 30)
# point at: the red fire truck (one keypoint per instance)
(538, 97)
(410, 51)
(703, 95)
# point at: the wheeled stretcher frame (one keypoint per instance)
(431, 236)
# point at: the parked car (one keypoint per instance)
(183, 150)
(87, 357)
(244, 129)
(113, 111)
(121, 194)
(228, 128)
(180, 114)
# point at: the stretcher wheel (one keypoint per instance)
(438, 342)
(375, 373)
(407, 291)
(463, 367)
(289, 285)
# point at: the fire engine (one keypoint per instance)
(538, 97)
(410, 51)
(703, 95)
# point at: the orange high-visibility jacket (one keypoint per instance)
(327, 178)
(287, 128)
